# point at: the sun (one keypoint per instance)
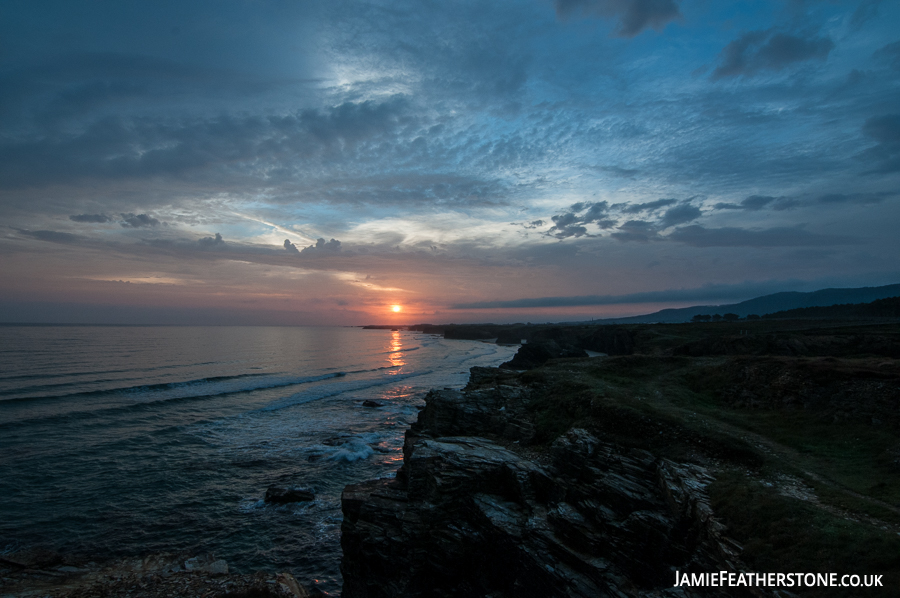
(395, 309)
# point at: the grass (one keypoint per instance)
(673, 407)
(782, 534)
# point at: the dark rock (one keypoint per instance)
(536, 354)
(278, 495)
(468, 516)
(32, 558)
(371, 403)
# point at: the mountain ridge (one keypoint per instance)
(766, 304)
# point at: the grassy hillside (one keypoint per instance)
(805, 449)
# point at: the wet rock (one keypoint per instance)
(279, 495)
(371, 403)
(32, 558)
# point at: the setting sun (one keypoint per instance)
(395, 308)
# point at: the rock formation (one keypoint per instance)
(474, 513)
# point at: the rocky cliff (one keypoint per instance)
(478, 510)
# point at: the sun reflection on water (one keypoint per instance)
(396, 348)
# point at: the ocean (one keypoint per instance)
(130, 441)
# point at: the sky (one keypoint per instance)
(319, 163)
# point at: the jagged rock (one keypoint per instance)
(279, 495)
(468, 516)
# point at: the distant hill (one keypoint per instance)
(881, 308)
(768, 304)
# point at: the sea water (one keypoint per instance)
(129, 441)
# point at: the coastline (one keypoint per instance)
(581, 476)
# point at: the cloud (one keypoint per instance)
(641, 231)
(572, 223)
(754, 203)
(131, 220)
(866, 11)
(211, 241)
(629, 173)
(99, 218)
(768, 50)
(51, 236)
(886, 131)
(258, 147)
(321, 247)
(290, 247)
(648, 206)
(854, 198)
(890, 54)
(679, 215)
(698, 236)
(633, 15)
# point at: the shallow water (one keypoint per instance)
(120, 441)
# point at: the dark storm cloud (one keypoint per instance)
(98, 218)
(209, 242)
(115, 148)
(633, 16)
(768, 50)
(698, 236)
(290, 247)
(131, 220)
(322, 247)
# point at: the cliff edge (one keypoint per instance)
(603, 477)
